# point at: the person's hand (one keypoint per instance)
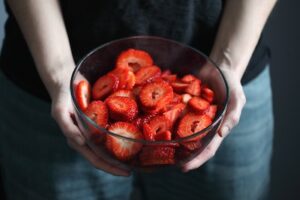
(236, 103)
(63, 113)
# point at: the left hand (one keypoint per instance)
(236, 103)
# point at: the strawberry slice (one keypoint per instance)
(174, 113)
(134, 59)
(198, 104)
(126, 77)
(192, 123)
(177, 98)
(179, 86)
(97, 111)
(83, 94)
(188, 78)
(166, 135)
(211, 111)
(123, 93)
(147, 74)
(156, 95)
(155, 126)
(169, 78)
(193, 145)
(122, 108)
(194, 88)
(186, 97)
(157, 155)
(207, 94)
(123, 149)
(166, 72)
(104, 86)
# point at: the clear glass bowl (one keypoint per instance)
(167, 54)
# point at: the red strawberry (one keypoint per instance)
(177, 98)
(188, 78)
(123, 149)
(198, 104)
(156, 95)
(123, 93)
(211, 111)
(193, 145)
(179, 86)
(166, 73)
(83, 94)
(122, 108)
(207, 94)
(147, 74)
(169, 78)
(157, 155)
(126, 77)
(186, 97)
(134, 59)
(194, 88)
(192, 123)
(104, 86)
(155, 126)
(174, 113)
(97, 111)
(166, 135)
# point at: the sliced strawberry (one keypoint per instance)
(156, 95)
(211, 111)
(122, 108)
(155, 126)
(134, 59)
(147, 74)
(186, 97)
(198, 105)
(192, 123)
(165, 135)
(177, 98)
(123, 149)
(179, 86)
(97, 111)
(174, 113)
(169, 78)
(104, 86)
(157, 155)
(166, 73)
(207, 94)
(193, 145)
(194, 88)
(188, 78)
(126, 77)
(123, 93)
(83, 94)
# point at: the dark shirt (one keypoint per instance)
(94, 22)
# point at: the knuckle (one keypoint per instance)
(235, 120)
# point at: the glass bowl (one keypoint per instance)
(167, 54)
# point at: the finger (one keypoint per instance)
(233, 114)
(96, 161)
(64, 119)
(205, 155)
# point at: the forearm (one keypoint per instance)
(42, 25)
(239, 32)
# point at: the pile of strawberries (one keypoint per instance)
(140, 101)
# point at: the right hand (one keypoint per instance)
(62, 111)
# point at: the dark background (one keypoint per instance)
(282, 33)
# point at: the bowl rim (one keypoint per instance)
(217, 119)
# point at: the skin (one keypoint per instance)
(43, 28)
(238, 34)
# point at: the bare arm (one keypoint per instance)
(240, 29)
(43, 28)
